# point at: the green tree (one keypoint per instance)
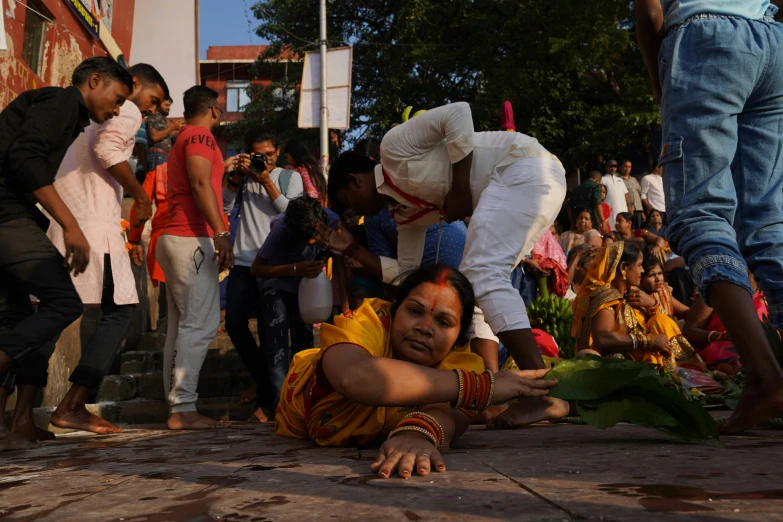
(571, 69)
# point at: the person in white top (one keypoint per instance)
(435, 168)
(653, 197)
(616, 192)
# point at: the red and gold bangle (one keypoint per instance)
(476, 390)
(461, 391)
(417, 429)
(426, 421)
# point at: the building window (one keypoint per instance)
(237, 95)
(34, 37)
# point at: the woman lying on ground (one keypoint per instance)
(705, 330)
(608, 317)
(400, 373)
(654, 286)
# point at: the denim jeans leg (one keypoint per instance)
(758, 174)
(103, 346)
(242, 299)
(708, 68)
(277, 349)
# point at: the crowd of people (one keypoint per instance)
(436, 239)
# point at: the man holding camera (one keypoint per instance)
(259, 191)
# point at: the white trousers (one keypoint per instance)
(520, 203)
(194, 314)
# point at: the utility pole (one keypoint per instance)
(324, 96)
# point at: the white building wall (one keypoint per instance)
(165, 36)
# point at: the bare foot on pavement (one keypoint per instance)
(249, 395)
(262, 416)
(755, 406)
(81, 419)
(529, 411)
(193, 420)
(11, 442)
(25, 427)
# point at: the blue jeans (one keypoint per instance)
(280, 317)
(154, 159)
(722, 115)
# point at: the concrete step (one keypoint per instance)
(155, 342)
(145, 362)
(149, 385)
(142, 411)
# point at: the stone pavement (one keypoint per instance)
(246, 473)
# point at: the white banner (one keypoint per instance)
(338, 81)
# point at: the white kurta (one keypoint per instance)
(94, 197)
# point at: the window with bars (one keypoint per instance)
(237, 95)
(34, 37)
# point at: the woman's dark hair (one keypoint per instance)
(631, 253)
(303, 215)
(579, 211)
(441, 274)
(259, 135)
(302, 155)
(106, 67)
(626, 216)
(347, 163)
(650, 261)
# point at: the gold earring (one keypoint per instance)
(624, 274)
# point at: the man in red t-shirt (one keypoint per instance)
(193, 249)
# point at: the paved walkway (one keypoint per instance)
(246, 473)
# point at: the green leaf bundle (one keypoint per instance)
(609, 391)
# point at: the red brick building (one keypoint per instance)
(46, 41)
(230, 70)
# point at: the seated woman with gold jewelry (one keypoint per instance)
(608, 316)
(654, 285)
(399, 372)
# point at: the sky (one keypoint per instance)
(225, 22)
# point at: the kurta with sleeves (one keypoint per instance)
(94, 197)
(416, 171)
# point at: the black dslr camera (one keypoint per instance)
(257, 163)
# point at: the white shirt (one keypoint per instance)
(418, 156)
(94, 198)
(256, 213)
(652, 191)
(615, 195)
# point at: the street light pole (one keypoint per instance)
(324, 96)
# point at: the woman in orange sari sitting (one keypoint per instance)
(399, 374)
(608, 317)
(655, 286)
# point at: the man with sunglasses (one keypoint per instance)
(193, 249)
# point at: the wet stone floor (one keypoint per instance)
(246, 473)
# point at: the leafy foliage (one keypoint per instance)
(610, 391)
(571, 69)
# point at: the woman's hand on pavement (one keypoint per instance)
(406, 452)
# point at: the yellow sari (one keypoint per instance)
(310, 408)
(596, 294)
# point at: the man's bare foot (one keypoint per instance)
(192, 420)
(81, 419)
(249, 395)
(754, 406)
(262, 416)
(529, 411)
(25, 427)
(11, 442)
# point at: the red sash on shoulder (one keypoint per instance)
(425, 206)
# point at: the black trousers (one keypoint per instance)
(31, 265)
(242, 300)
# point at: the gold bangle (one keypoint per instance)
(491, 389)
(461, 387)
(417, 429)
(432, 420)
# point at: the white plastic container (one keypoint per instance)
(315, 299)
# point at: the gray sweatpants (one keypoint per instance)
(193, 316)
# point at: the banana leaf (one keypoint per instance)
(610, 391)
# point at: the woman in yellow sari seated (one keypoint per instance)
(608, 316)
(399, 374)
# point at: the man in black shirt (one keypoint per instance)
(36, 130)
